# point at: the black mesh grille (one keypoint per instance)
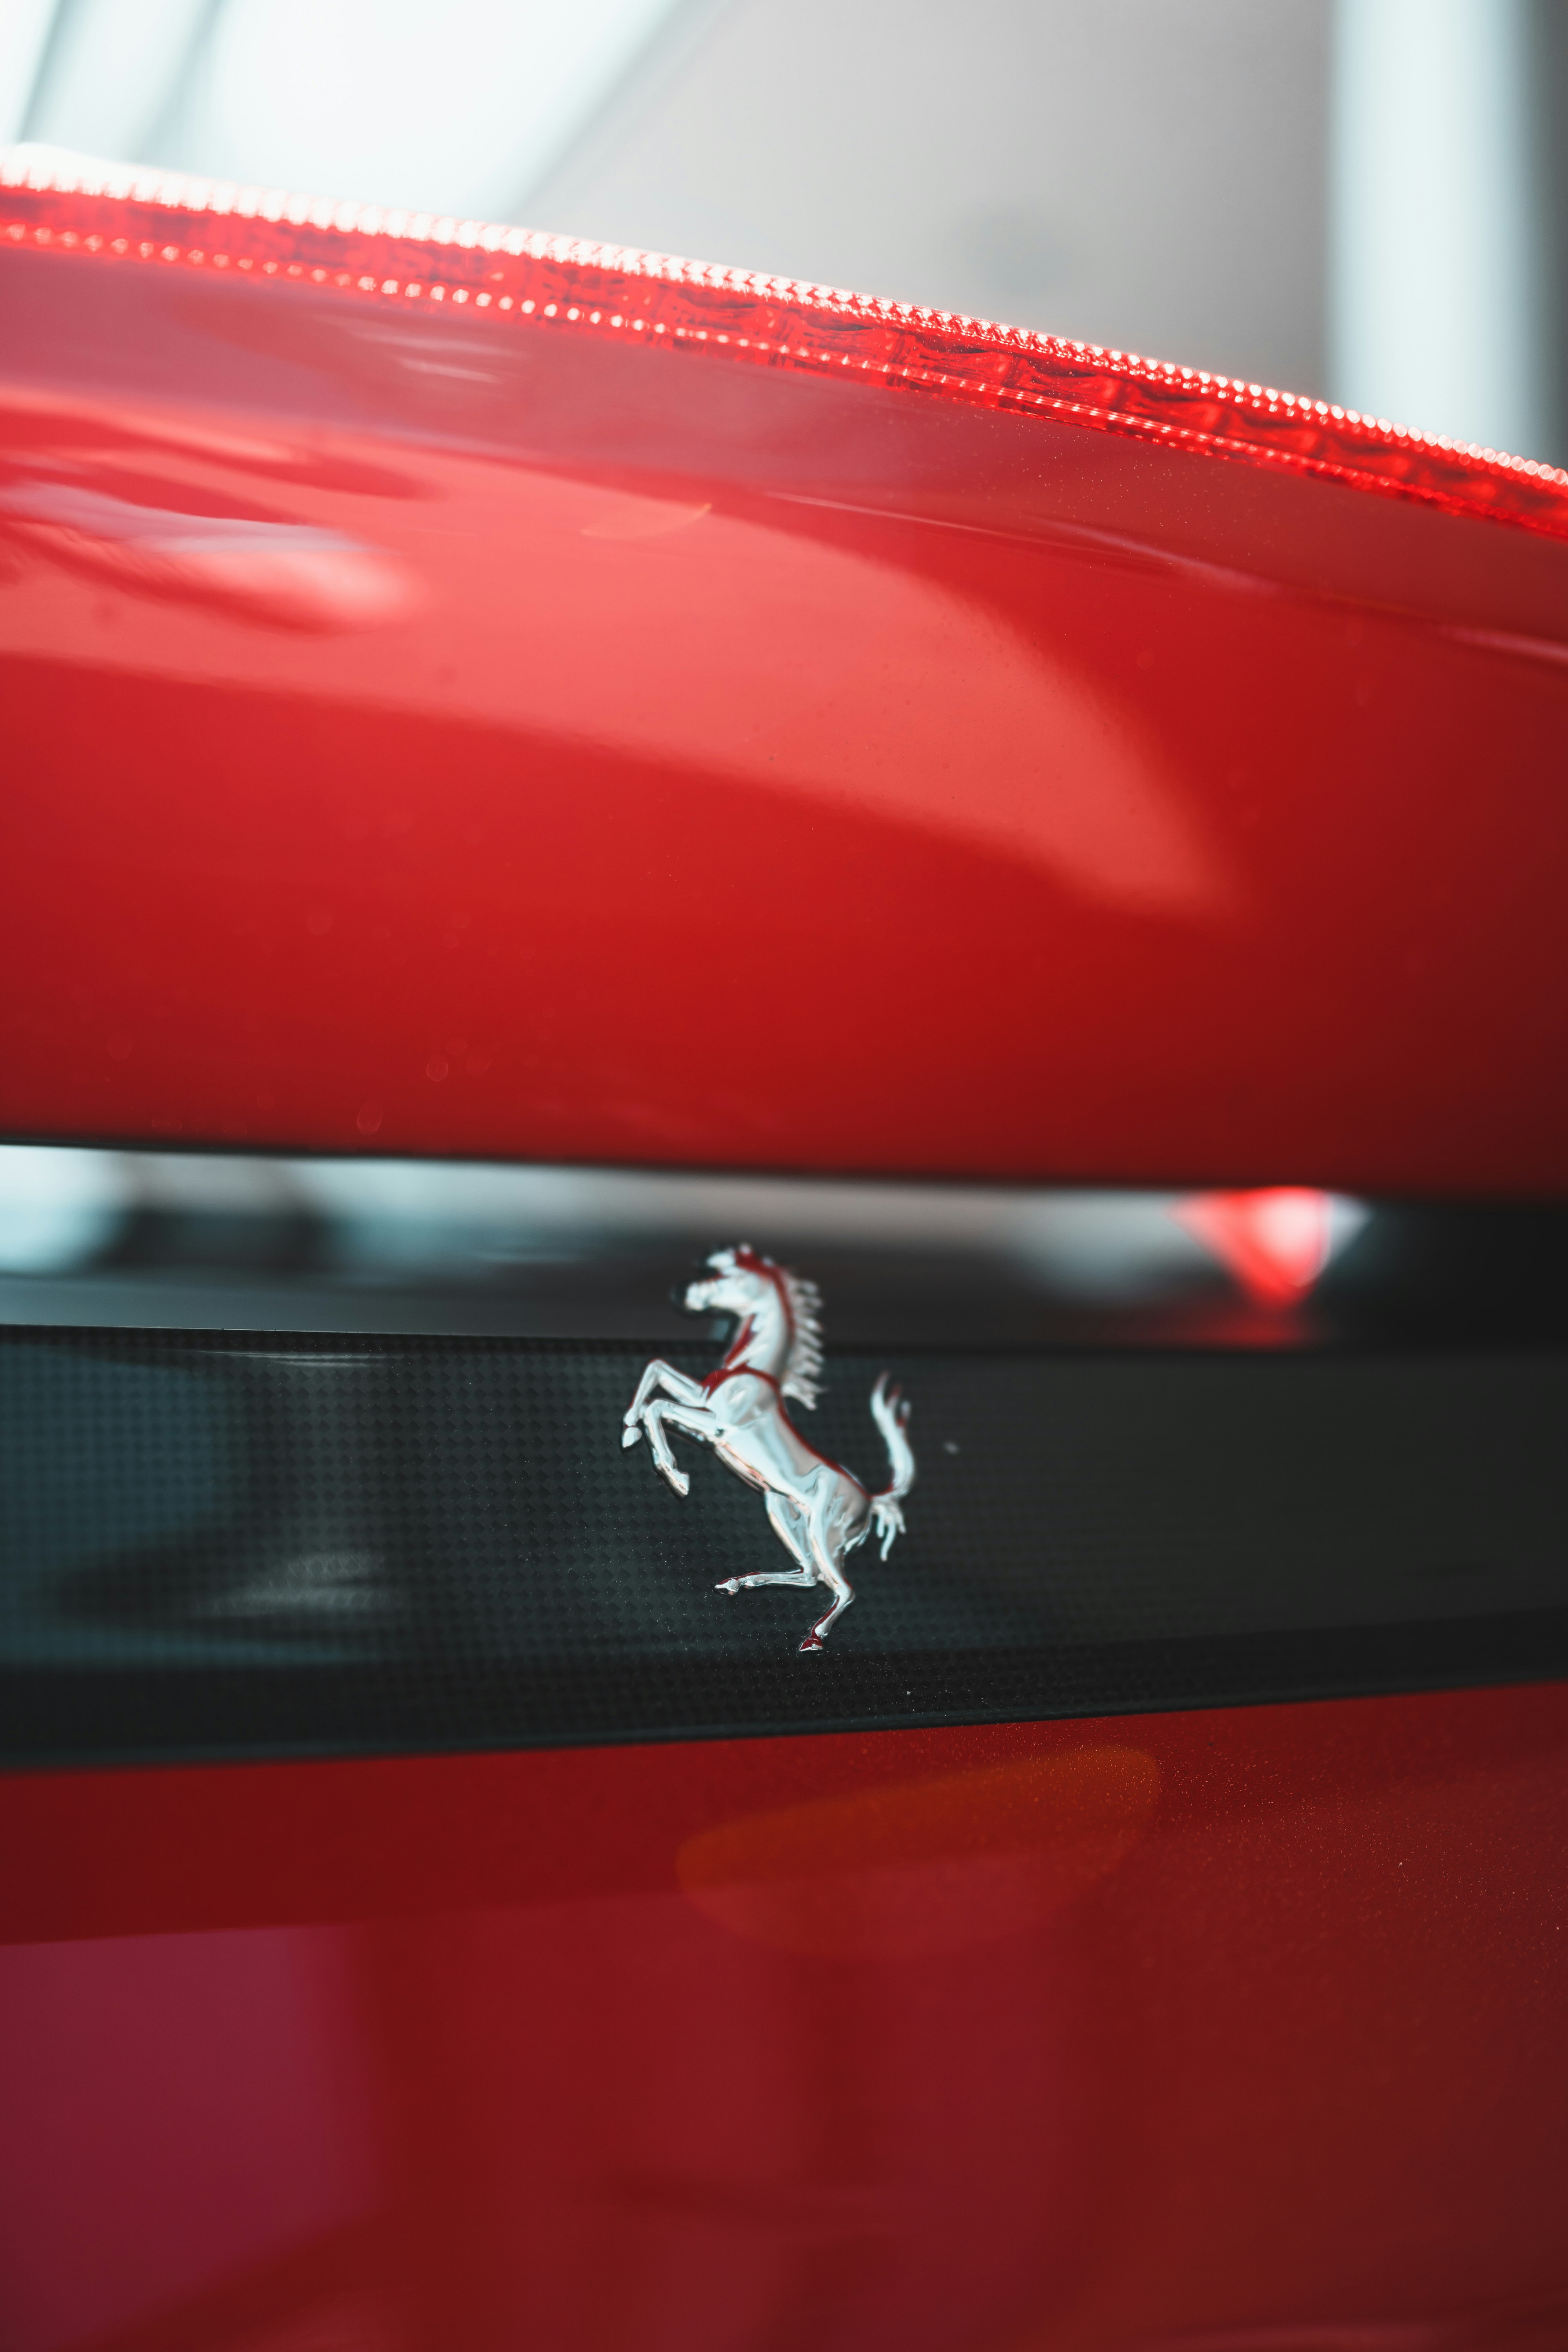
(269, 1546)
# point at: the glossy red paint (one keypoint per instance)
(130, 213)
(451, 732)
(1227, 2031)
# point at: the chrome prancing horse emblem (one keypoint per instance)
(818, 1512)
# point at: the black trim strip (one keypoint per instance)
(59, 1718)
(223, 1547)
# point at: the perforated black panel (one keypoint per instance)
(274, 1546)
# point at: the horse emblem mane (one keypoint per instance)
(801, 1375)
(818, 1511)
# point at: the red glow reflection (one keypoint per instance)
(1275, 1241)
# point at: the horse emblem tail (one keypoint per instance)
(890, 1414)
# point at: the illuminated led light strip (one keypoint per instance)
(74, 204)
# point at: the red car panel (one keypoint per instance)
(474, 733)
(1233, 2031)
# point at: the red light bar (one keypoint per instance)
(132, 213)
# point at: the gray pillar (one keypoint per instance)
(1437, 258)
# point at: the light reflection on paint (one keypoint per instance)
(292, 574)
(1275, 1241)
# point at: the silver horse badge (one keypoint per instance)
(818, 1512)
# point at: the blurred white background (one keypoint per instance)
(1365, 199)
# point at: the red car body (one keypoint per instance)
(470, 694)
